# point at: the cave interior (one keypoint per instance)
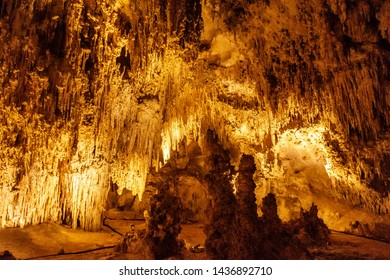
(194, 129)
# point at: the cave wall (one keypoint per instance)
(95, 93)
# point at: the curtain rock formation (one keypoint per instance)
(95, 93)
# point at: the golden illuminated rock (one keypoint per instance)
(95, 93)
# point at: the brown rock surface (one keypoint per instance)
(96, 93)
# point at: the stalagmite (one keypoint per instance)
(97, 93)
(247, 244)
(223, 206)
(164, 225)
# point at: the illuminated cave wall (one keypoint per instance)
(95, 93)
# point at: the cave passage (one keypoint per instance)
(194, 129)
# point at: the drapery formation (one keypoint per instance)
(94, 93)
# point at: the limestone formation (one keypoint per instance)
(309, 228)
(164, 222)
(219, 228)
(96, 94)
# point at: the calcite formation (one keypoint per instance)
(220, 227)
(164, 224)
(95, 93)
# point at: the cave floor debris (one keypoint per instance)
(53, 241)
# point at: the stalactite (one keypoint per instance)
(93, 93)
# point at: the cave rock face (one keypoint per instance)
(95, 93)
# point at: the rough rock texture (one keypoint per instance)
(247, 241)
(276, 240)
(219, 228)
(164, 222)
(95, 93)
(7, 256)
(309, 228)
(234, 230)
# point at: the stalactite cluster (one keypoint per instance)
(95, 93)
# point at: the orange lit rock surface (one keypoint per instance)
(96, 93)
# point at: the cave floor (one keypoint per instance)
(53, 241)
